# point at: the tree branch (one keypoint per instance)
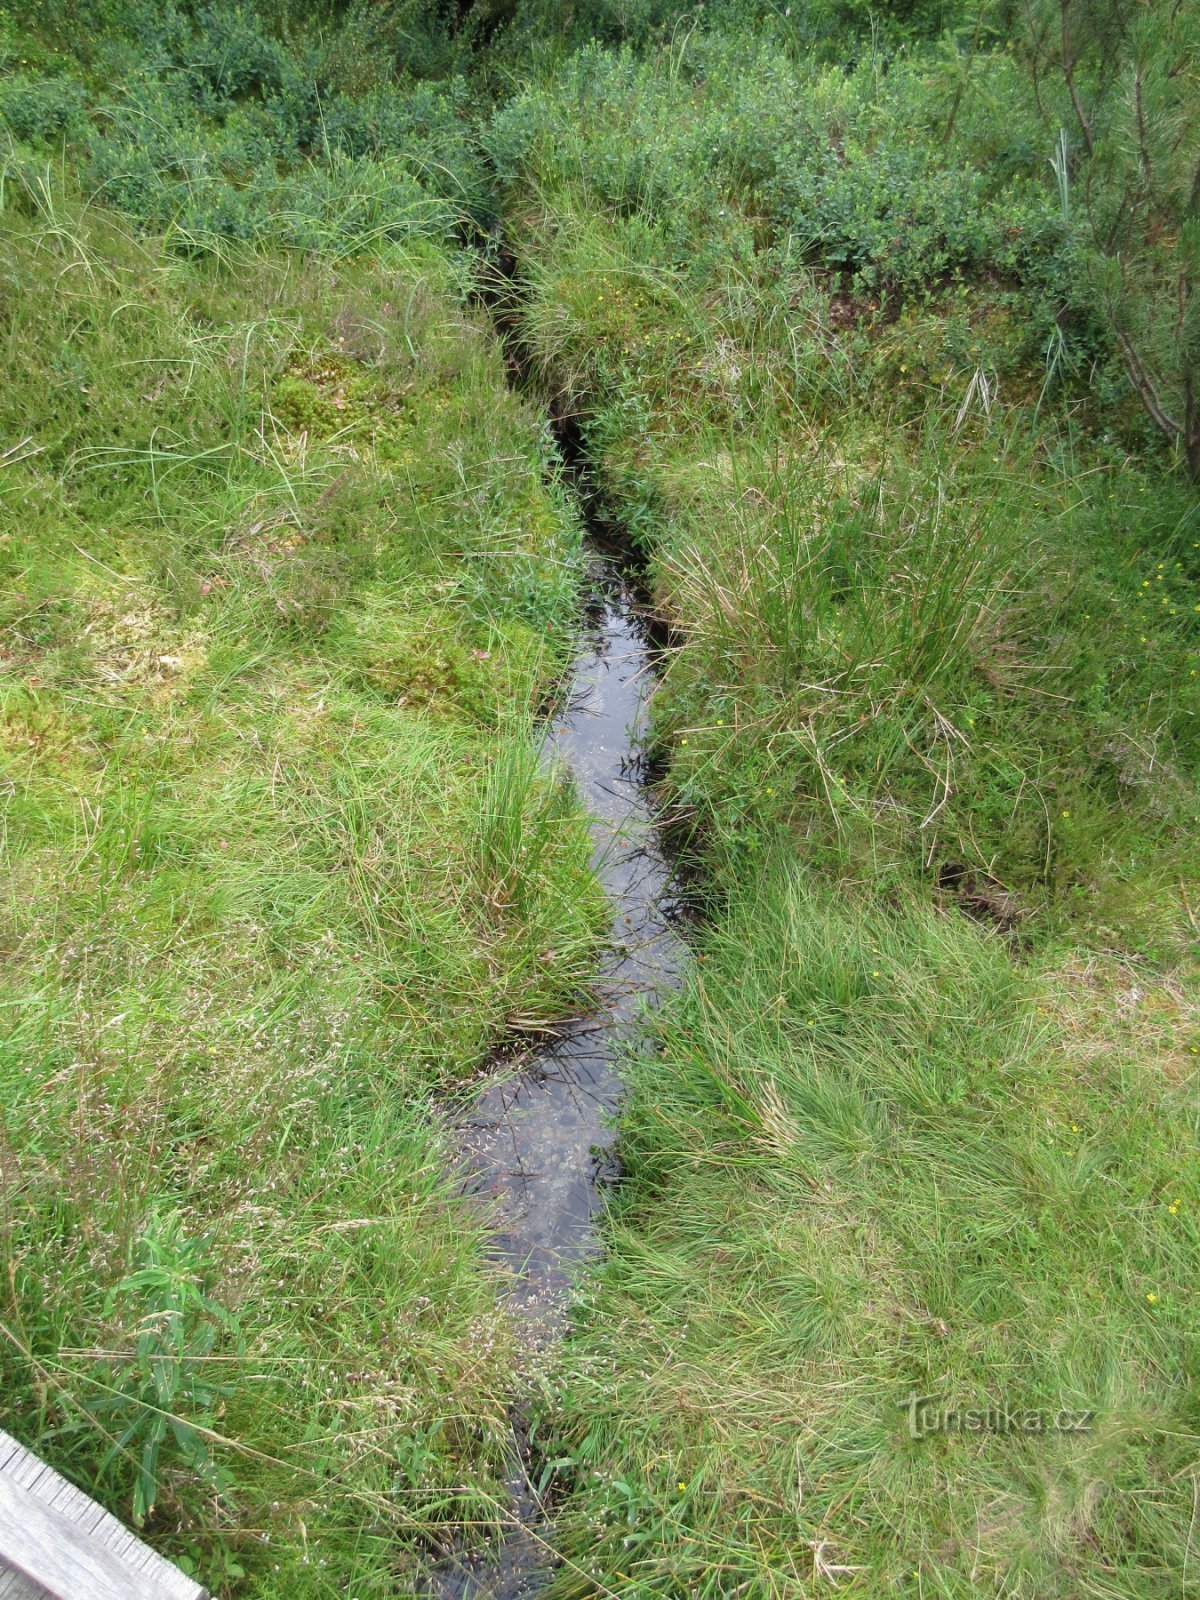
(1068, 61)
(1139, 376)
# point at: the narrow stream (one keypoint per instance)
(538, 1141)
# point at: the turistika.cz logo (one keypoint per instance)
(931, 1413)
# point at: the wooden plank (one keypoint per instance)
(14, 1587)
(47, 1548)
(59, 1503)
(32, 1474)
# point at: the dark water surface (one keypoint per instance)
(537, 1143)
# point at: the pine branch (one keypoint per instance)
(1140, 377)
(1068, 61)
(1139, 103)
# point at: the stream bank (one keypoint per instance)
(537, 1144)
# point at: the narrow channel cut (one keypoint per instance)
(537, 1143)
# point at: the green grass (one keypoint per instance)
(286, 578)
(871, 1158)
(281, 865)
(913, 644)
(921, 1120)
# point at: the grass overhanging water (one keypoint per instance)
(289, 575)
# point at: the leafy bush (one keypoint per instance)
(885, 216)
(390, 168)
(821, 158)
(513, 32)
(38, 110)
(227, 56)
(427, 127)
(216, 127)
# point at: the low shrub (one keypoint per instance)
(41, 110)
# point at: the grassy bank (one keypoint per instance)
(871, 1161)
(280, 558)
(921, 1122)
(287, 577)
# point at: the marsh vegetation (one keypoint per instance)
(877, 332)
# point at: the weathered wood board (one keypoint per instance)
(57, 1544)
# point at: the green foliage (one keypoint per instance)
(427, 128)
(1124, 84)
(885, 218)
(827, 166)
(286, 575)
(41, 110)
(872, 1157)
(161, 1401)
(888, 23)
(211, 126)
(366, 44)
(515, 35)
(250, 633)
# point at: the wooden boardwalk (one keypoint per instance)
(57, 1544)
